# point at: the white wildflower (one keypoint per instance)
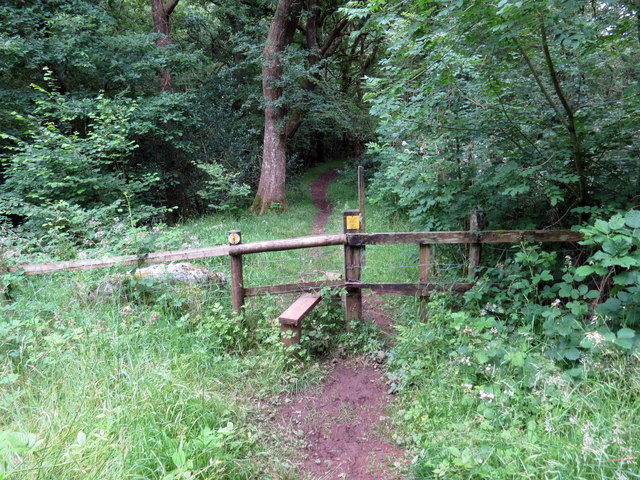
(595, 337)
(547, 426)
(487, 396)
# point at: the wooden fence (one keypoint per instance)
(354, 240)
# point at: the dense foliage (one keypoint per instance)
(527, 108)
(529, 374)
(70, 71)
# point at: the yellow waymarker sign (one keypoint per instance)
(353, 222)
(234, 238)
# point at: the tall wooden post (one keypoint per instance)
(352, 267)
(361, 196)
(237, 282)
(476, 223)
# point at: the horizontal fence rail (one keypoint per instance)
(181, 255)
(289, 244)
(353, 240)
(157, 257)
(493, 236)
(411, 289)
(358, 239)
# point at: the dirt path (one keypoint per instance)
(343, 423)
(319, 196)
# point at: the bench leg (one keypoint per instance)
(291, 334)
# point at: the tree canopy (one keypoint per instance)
(158, 108)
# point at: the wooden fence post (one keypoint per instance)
(425, 263)
(237, 282)
(476, 224)
(352, 267)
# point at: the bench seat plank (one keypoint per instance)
(299, 309)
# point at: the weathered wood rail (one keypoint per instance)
(468, 237)
(353, 239)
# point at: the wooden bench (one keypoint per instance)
(291, 318)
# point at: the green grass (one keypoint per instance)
(165, 383)
(162, 383)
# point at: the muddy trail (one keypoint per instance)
(342, 423)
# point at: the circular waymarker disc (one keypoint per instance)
(234, 238)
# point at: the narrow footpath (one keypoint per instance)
(344, 428)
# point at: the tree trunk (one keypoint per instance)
(160, 12)
(576, 146)
(169, 159)
(274, 156)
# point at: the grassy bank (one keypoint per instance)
(165, 383)
(156, 382)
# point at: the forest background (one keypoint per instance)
(128, 126)
(158, 110)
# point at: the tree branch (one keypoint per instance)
(326, 51)
(578, 154)
(543, 89)
(169, 6)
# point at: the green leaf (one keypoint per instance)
(626, 333)
(179, 458)
(572, 354)
(584, 270)
(632, 218)
(616, 222)
(625, 343)
(610, 307)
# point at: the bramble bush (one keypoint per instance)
(530, 364)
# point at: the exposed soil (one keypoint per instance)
(319, 196)
(342, 424)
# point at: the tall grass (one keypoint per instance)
(155, 382)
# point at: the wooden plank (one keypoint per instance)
(3, 294)
(475, 249)
(289, 244)
(291, 287)
(494, 236)
(237, 280)
(299, 309)
(410, 289)
(158, 257)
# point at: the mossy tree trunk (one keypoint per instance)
(274, 155)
